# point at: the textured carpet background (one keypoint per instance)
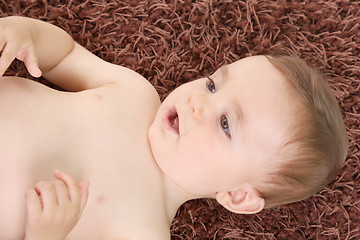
(172, 42)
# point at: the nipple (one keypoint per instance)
(100, 199)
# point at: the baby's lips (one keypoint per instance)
(171, 121)
(174, 122)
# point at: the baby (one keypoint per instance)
(258, 133)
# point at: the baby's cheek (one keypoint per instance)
(197, 151)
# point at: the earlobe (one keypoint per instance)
(243, 202)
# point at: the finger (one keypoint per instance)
(84, 193)
(61, 192)
(71, 184)
(33, 69)
(7, 57)
(31, 63)
(47, 194)
(33, 204)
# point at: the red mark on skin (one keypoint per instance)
(99, 97)
(100, 199)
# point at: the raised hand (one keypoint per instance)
(54, 208)
(16, 41)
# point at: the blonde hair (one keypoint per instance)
(317, 142)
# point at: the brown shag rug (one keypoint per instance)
(171, 42)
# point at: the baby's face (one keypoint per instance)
(210, 135)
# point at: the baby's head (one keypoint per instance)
(316, 144)
(260, 132)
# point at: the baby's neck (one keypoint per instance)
(174, 197)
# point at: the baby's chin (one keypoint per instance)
(151, 144)
(150, 135)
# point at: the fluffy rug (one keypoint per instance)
(171, 42)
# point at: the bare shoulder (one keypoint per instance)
(82, 70)
(129, 88)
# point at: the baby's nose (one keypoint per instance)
(197, 112)
(196, 103)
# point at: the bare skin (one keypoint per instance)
(98, 131)
(44, 129)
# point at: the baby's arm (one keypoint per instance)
(54, 208)
(60, 60)
(36, 43)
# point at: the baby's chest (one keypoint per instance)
(120, 193)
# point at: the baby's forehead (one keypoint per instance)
(256, 69)
(256, 63)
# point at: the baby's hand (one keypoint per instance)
(54, 208)
(16, 41)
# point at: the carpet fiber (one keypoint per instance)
(172, 42)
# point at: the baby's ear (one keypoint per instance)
(243, 202)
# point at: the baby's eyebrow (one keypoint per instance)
(224, 70)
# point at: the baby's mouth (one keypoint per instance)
(171, 121)
(174, 121)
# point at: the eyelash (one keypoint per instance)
(224, 124)
(210, 85)
(224, 121)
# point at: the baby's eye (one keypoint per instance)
(224, 123)
(210, 85)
